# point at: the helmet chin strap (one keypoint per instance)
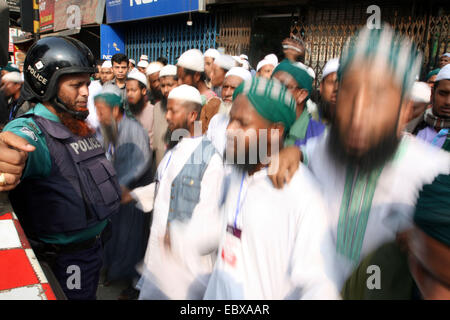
(59, 105)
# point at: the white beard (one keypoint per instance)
(225, 107)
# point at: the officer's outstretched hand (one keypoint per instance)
(13, 157)
(283, 166)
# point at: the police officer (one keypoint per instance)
(68, 189)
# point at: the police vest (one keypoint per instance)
(81, 190)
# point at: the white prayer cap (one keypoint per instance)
(169, 70)
(264, 62)
(310, 71)
(447, 54)
(212, 53)
(243, 57)
(239, 61)
(444, 74)
(137, 75)
(132, 61)
(239, 72)
(225, 61)
(13, 76)
(330, 67)
(143, 64)
(111, 88)
(421, 92)
(154, 67)
(193, 60)
(273, 58)
(144, 57)
(107, 64)
(185, 93)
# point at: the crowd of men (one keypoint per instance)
(208, 179)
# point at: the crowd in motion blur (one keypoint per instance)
(209, 179)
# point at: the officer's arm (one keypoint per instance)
(13, 157)
(38, 162)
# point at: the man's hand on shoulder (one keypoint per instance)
(284, 165)
(13, 157)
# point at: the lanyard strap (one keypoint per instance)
(238, 207)
(167, 164)
(442, 133)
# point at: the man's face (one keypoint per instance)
(130, 66)
(106, 74)
(208, 66)
(441, 99)
(184, 78)
(120, 70)
(229, 85)
(266, 71)
(328, 89)
(134, 93)
(443, 61)
(243, 134)
(104, 112)
(428, 262)
(368, 106)
(153, 81)
(217, 75)
(141, 69)
(73, 91)
(298, 93)
(167, 84)
(97, 71)
(176, 115)
(10, 88)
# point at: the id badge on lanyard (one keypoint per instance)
(231, 253)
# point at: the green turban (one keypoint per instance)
(432, 73)
(271, 99)
(383, 45)
(299, 74)
(111, 95)
(432, 213)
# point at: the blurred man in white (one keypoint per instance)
(187, 198)
(106, 74)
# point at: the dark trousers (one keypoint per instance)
(78, 272)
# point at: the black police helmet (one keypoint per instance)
(50, 58)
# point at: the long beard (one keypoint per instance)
(374, 158)
(169, 139)
(110, 133)
(164, 104)
(137, 108)
(325, 110)
(77, 127)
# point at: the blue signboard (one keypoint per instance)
(126, 10)
(111, 41)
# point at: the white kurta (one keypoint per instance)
(94, 89)
(217, 131)
(183, 272)
(395, 193)
(285, 250)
